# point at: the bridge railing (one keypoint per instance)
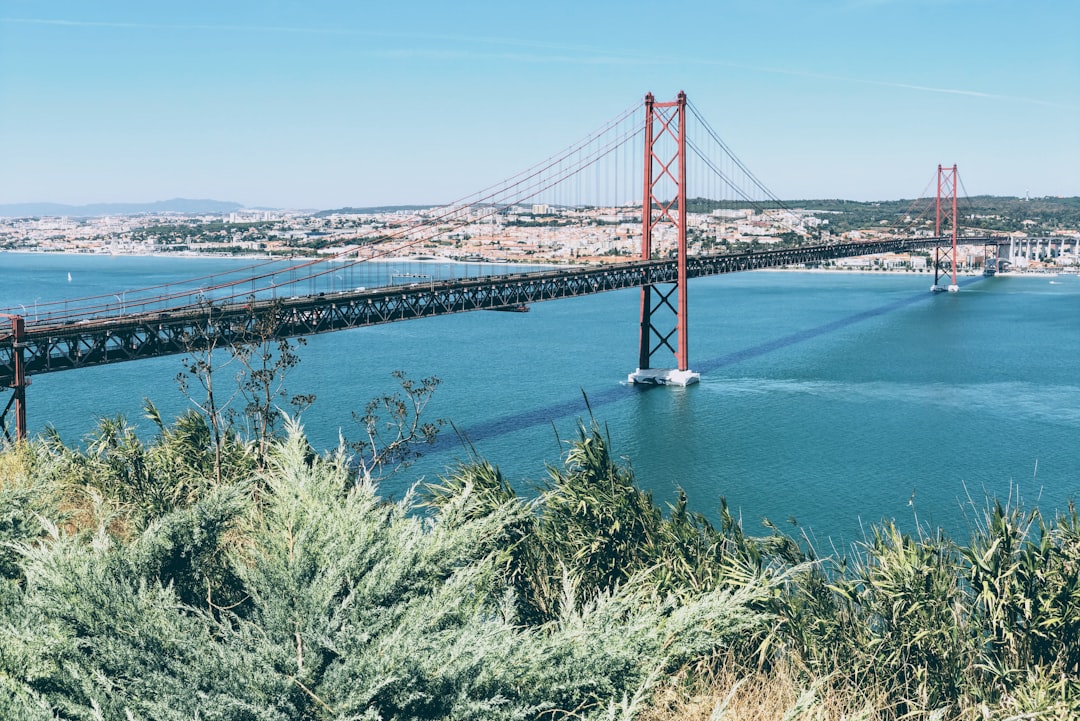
(277, 279)
(287, 280)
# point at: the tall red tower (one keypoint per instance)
(947, 180)
(664, 204)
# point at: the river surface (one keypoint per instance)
(827, 400)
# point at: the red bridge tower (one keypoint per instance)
(664, 201)
(947, 180)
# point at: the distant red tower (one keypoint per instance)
(947, 180)
(664, 201)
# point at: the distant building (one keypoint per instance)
(722, 213)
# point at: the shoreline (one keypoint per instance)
(450, 261)
(282, 258)
(842, 271)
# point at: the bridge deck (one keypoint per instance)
(48, 348)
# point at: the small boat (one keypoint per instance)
(516, 308)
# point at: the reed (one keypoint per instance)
(140, 580)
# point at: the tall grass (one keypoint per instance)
(134, 584)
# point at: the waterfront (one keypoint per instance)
(833, 398)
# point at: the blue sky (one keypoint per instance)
(291, 103)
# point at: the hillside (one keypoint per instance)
(175, 205)
(993, 213)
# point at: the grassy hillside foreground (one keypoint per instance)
(161, 580)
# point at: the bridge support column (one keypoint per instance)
(947, 181)
(16, 405)
(664, 201)
(992, 260)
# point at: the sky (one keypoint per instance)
(321, 104)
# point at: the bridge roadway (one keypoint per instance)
(51, 347)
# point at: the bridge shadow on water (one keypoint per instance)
(580, 407)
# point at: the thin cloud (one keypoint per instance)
(568, 54)
(862, 4)
(564, 54)
(184, 26)
(890, 84)
(299, 30)
(413, 53)
(950, 91)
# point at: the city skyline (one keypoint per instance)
(323, 105)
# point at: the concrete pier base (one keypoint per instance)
(663, 377)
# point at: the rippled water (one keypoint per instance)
(833, 400)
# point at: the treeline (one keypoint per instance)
(372, 210)
(204, 232)
(999, 214)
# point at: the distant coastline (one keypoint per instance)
(177, 254)
(439, 260)
(188, 206)
(187, 254)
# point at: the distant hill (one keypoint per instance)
(1043, 215)
(370, 211)
(176, 205)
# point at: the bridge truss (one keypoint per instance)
(232, 308)
(664, 201)
(27, 351)
(945, 258)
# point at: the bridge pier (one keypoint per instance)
(16, 405)
(663, 377)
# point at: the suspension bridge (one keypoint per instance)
(637, 169)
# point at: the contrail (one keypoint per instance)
(599, 57)
(910, 86)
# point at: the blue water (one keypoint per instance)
(831, 399)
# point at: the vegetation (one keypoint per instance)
(1037, 216)
(200, 576)
(372, 210)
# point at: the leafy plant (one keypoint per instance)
(392, 428)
